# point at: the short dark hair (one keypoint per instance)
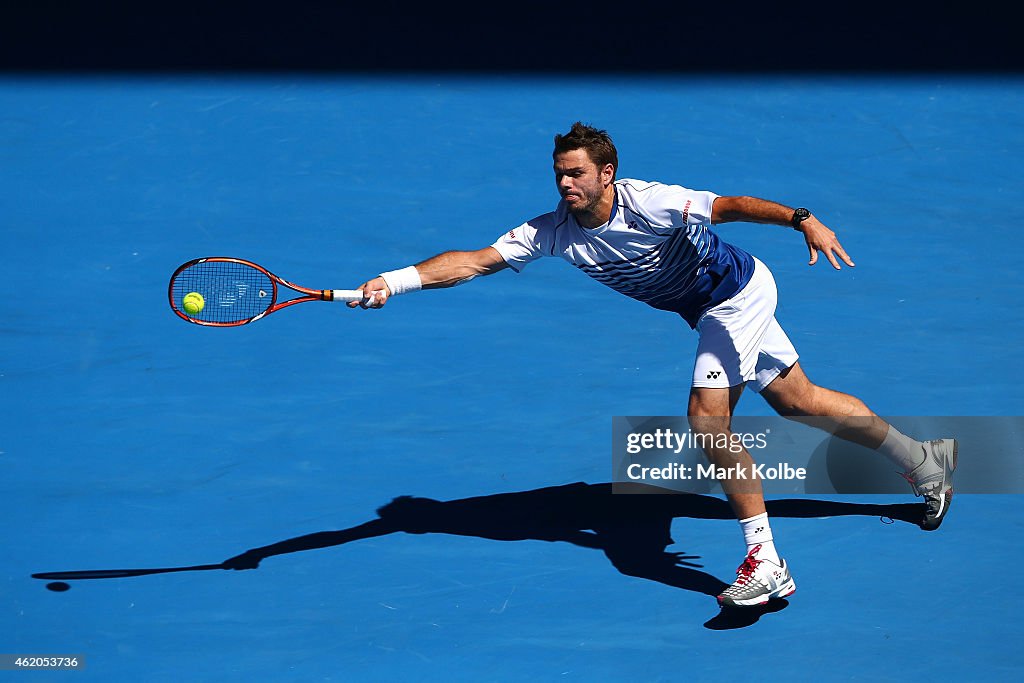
(597, 143)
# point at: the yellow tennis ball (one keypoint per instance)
(193, 303)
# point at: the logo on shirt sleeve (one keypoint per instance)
(512, 234)
(686, 211)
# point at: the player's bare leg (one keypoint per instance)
(928, 466)
(763, 575)
(793, 395)
(710, 413)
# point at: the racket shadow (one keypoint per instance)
(86, 574)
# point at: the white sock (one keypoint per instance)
(902, 450)
(757, 531)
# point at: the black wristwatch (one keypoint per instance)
(799, 216)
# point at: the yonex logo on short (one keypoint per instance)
(713, 374)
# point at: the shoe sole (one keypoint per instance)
(783, 591)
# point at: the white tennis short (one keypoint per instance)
(740, 340)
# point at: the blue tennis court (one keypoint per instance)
(450, 453)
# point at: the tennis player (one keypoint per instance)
(654, 242)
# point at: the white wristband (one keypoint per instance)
(403, 281)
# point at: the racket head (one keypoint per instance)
(235, 291)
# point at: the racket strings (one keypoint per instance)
(232, 291)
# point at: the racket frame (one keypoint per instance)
(306, 293)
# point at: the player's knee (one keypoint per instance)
(705, 423)
(788, 408)
(797, 403)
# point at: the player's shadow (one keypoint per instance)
(630, 526)
(632, 530)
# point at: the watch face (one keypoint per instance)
(799, 216)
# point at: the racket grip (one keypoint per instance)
(348, 294)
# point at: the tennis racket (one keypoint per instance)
(237, 292)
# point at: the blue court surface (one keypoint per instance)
(449, 454)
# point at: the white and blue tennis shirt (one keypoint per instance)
(658, 248)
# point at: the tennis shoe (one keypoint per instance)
(757, 581)
(933, 479)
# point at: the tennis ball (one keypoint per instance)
(193, 303)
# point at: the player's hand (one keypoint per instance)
(375, 294)
(820, 238)
(682, 560)
(250, 559)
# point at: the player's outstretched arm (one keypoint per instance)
(754, 210)
(444, 270)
